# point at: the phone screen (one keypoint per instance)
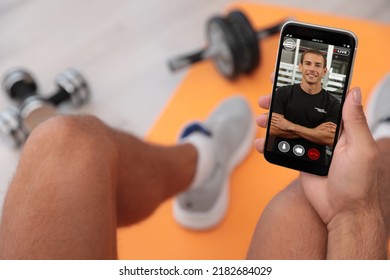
(312, 76)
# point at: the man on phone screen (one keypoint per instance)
(304, 118)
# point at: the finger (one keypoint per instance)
(330, 127)
(275, 121)
(354, 120)
(272, 77)
(259, 145)
(330, 124)
(262, 120)
(264, 101)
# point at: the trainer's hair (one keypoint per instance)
(313, 51)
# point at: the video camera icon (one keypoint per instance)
(299, 150)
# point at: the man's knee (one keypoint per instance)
(65, 135)
(64, 178)
(65, 152)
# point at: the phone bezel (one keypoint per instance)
(327, 35)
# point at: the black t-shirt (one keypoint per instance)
(308, 110)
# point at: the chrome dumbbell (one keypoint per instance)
(22, 89)
(19, 85)
(11, 131)
(33, 108)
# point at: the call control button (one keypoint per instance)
(284, 146)
(299, 150)
(313, 154)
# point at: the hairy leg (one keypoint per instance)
(77, 180)
(289, 228)
(384, 180)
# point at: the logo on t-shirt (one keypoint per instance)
(319, 110)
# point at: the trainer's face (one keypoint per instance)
(312, 68)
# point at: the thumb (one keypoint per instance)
(354, 120)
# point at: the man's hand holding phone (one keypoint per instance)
(346, 200)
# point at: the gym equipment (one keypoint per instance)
(11, 130)
(33, 109)
(22, 88)
(233, 45)
(72, 87)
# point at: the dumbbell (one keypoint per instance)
(22, 89)
(233, 45)
(33, 108)
(11, 131)
(19, 85)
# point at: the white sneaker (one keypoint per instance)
(378, 106)
(231, 128)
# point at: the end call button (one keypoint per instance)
(313, 154)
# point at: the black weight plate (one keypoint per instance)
(251, 53)
(19, 84)
(221, 36)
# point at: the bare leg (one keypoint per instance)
(384, 180)
(289, 228)
(77, 180)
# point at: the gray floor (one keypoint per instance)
(121, 47)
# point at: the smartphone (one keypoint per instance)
(312, 76)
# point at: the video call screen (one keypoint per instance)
(290, 98)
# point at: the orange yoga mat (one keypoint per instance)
(255, 182)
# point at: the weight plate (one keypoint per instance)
(221, 38)
(250, 56)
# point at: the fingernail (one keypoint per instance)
(357, 96)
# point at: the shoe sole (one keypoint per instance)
(209, 219)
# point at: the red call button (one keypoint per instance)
(313, 154)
